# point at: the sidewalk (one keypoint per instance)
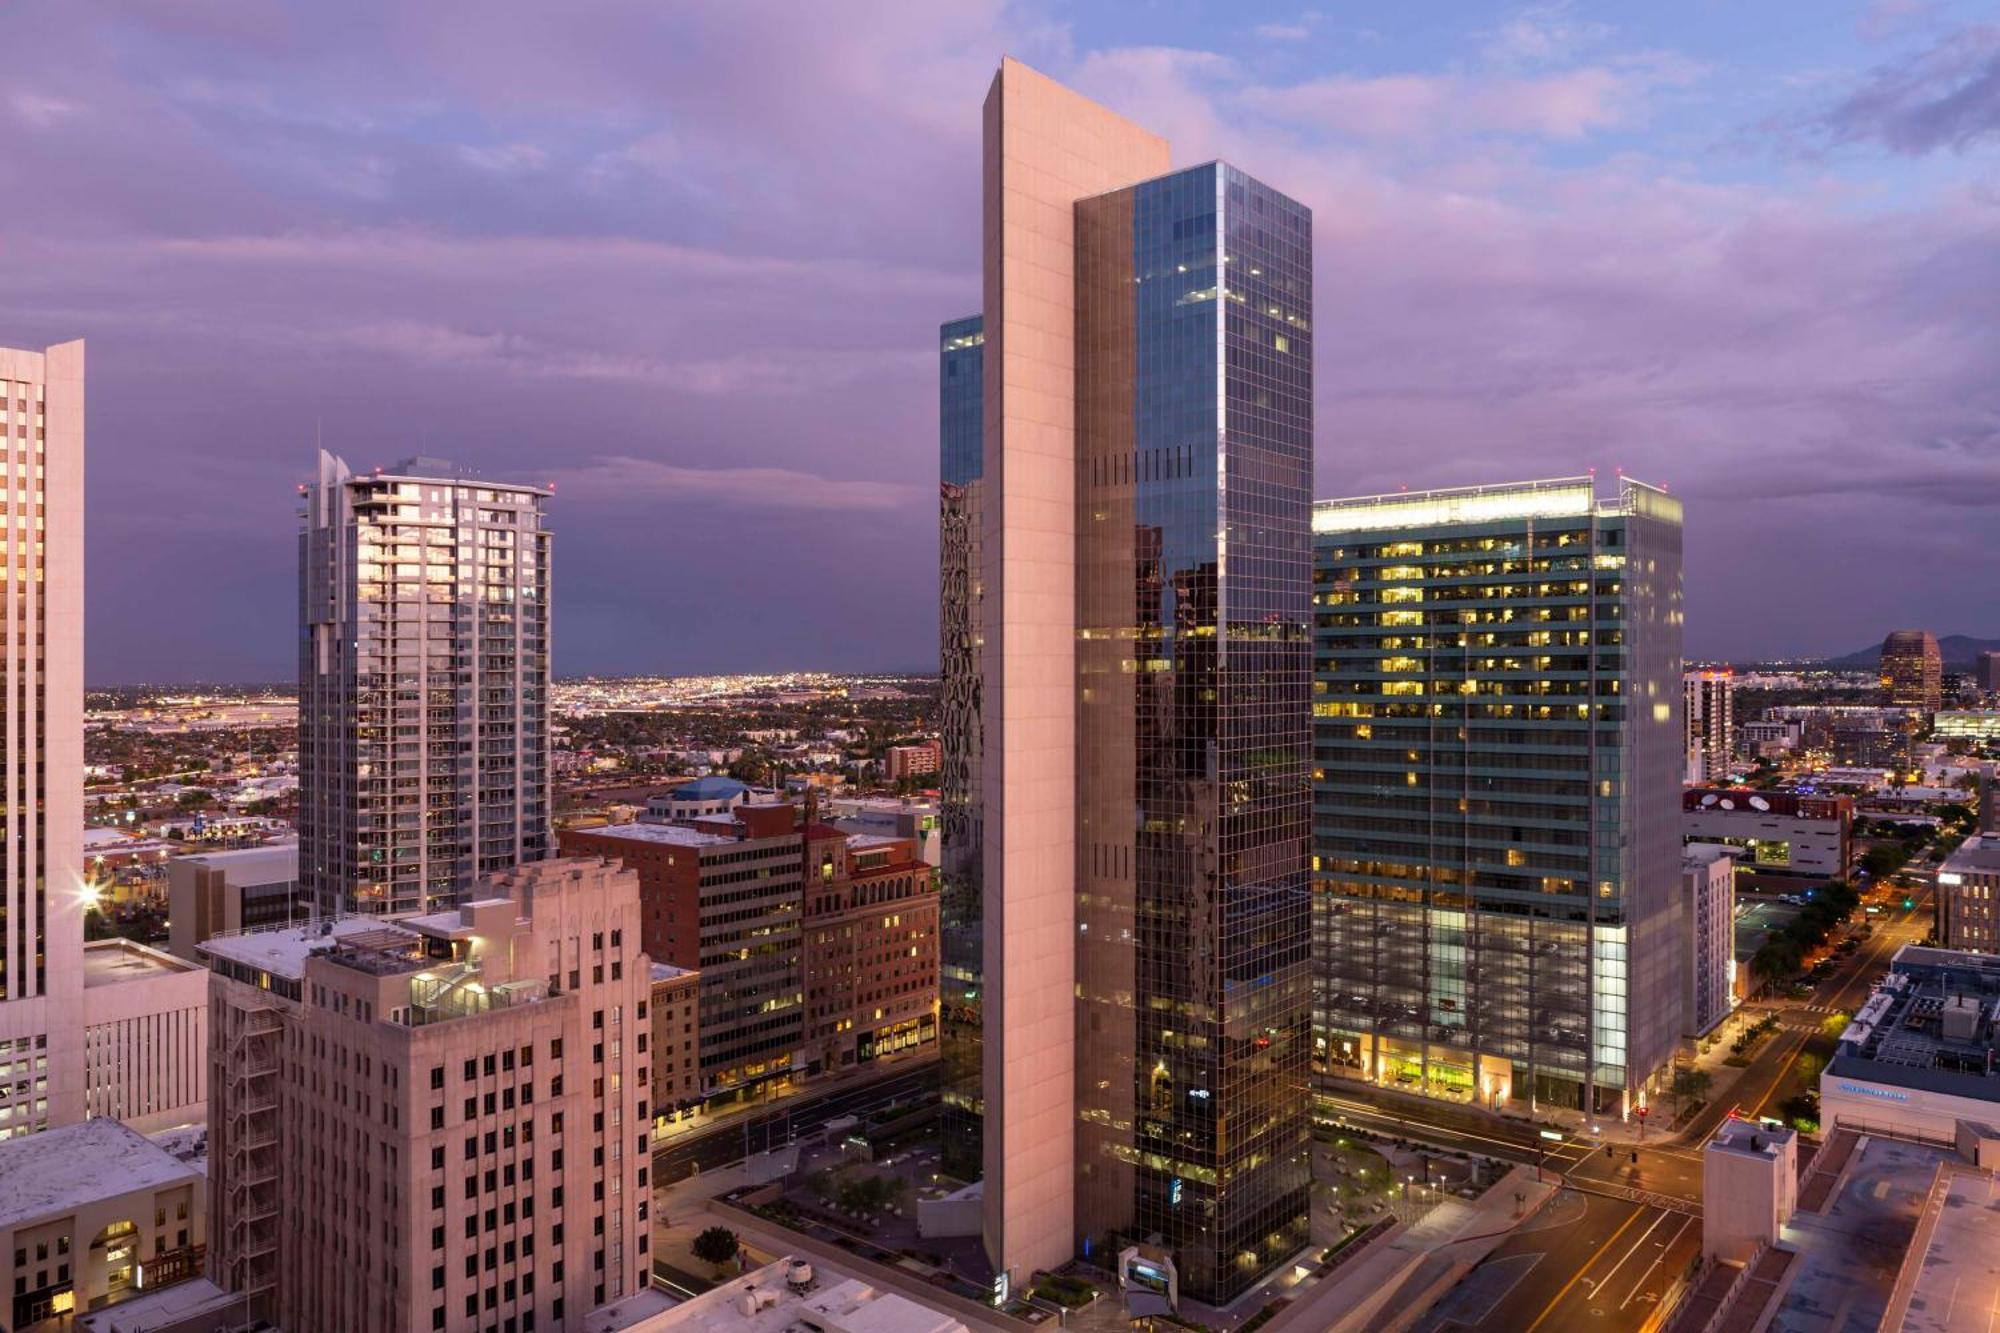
(1402, 1276)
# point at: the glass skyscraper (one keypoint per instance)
(1497, 758)
(1194, 444)
(961, 512)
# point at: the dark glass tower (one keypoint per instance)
(961, 381)
(1193, 488)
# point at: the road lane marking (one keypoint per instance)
(1665, 1250)
(1549, 1309)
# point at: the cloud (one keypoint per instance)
(691, 259)
(1569, 105)
(1945, 97)
(1544, 34)
(621, 480)
(39, 110)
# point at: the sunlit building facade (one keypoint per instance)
(42, 891)
(1498, 748)
(423, 685)
(1146, 453)
(961, 513)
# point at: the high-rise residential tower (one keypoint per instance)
(961, 631)
(423, 684)
(1147, 445)
(42, 894)
(1710, 717)
(1498, 756)
(1913, 669)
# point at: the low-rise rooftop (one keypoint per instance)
(672, 835)
(113, 962)
(1932, 1024)
(283, 952)
(1977, 855)
(58, 1170)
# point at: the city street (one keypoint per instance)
(1612, 1244)
(790, 1119)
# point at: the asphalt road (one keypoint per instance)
(789, 1120)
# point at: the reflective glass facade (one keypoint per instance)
(961, 388)
(1497, 753)
(1194, 474)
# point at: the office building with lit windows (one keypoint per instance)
(1710, 718)
(1913, 669)
(423, 684)
(961, 513)
(1146, 452)
(1497, 751)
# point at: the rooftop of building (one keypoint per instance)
(1747, 801)
(671, 835)
(58, 1170)
(768, 1300)
(1751, 1138)
(248, 863)
(1559, 497)
(1849, 1250)
(283, 952)
(1952, 1277)
(714, 787)
(1977, 855)
(1930, 1025)
(113, 962)
(1696, 854)
(668, 972)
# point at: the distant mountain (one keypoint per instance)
(1960, 651)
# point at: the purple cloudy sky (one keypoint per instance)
(688, 259)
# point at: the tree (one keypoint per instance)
(1692, 1083)
(717, 1247)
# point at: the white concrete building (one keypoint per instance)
(1749, 1188)
(145, 1036)
(1708, 925)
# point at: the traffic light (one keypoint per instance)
(1908, 903)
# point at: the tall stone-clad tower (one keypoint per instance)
(42, 892)
(423, 684)
(1147, 467)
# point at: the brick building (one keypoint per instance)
(871, 954)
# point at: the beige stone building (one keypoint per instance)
(436, 1121)
(42, 891)
(92, 1215)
